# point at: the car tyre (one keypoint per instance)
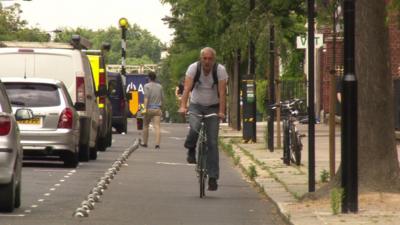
(93, 153)
(109, 138)
(17, 202)
(71, 159)
(102, 144)
(84, 155)
(7, 196)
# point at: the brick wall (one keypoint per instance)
(327, 65)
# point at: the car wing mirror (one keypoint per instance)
(23, 114)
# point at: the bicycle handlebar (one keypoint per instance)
(203, 116)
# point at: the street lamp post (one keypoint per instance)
(123, 24)
(349, 113)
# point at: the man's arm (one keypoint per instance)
(222, 98)
(185, 95)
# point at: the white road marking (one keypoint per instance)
(41, 200)
(11, 215)
(57, 185)
(178, 138)
(46, 194)
(66, 176)
(175, 164)
(52, 189)
(34, 206)
(62, 180)
(28, 211)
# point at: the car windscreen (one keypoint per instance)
(33, 94)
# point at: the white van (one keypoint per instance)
(61, 62)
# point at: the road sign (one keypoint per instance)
(301, 41)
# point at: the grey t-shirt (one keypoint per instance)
(154, 93)
(205, 92)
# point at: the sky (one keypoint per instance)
(49, 15)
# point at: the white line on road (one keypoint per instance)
(174, 164)
(12, 215)
(178, 138)
(41, 200)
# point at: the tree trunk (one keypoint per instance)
(378, 164)
(378, 167)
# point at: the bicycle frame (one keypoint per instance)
(201, 167)
(292, 145)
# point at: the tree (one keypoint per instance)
(377, 154)
(13, 28)
(142, 46)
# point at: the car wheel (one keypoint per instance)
(102, 144)
(125, 127)
(17, 202)
(84, 153)
(93, 153)
(109, 138)
(71, 159)
(7, 196)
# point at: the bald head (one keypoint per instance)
(207, 58)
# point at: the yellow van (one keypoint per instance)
(97, 62)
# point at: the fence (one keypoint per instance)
(293, 89)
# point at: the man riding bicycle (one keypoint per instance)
(206, 80)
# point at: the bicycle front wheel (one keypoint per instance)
(297, 149)
(201, 169)
(286, 143)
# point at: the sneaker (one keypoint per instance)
(157, 147)
(212, 184)
(191, 156)
(143, 145)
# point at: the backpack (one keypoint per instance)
(198, 73)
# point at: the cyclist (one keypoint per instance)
(207, 82)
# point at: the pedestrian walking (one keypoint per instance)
(206, 80)
(153, 101)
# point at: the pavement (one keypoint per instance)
(286, 185)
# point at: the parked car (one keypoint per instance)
(10, 154)
(118, 101)
(64, 62)
(54, 128)
(97, 62)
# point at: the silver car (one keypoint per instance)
(10, 156)
(54, 128)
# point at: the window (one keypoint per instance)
(33, 94)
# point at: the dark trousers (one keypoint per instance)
(212, 128)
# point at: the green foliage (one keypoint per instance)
(142, 47)
(227, 25)
(252, 172)
(324, 176)
(13, 28)
(337, 195)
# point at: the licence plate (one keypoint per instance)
(33, 121)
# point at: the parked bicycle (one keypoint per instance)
(202, 148)
(292, 145)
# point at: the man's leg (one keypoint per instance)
(212, 126)
(191, 138)
(145, 135)
(157, 121)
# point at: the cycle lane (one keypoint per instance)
(159, 187)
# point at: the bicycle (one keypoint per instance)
(201, 167)
(292, 145)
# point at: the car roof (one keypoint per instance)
(30, 80)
